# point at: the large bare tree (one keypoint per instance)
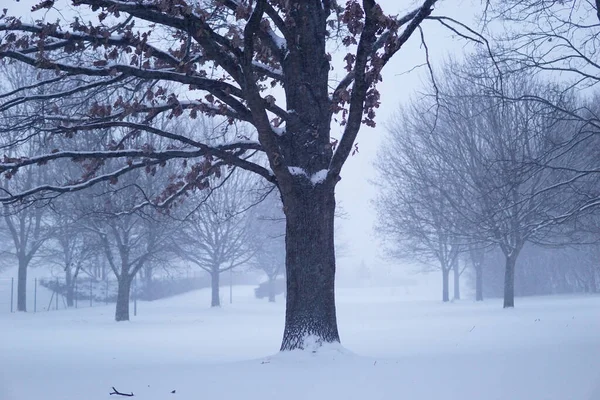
(224, 56)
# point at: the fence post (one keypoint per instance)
(35, 295)
(12, 293)
(75, 293)
(91, 292)
(56, 300)
(106, 297)
(231, 286)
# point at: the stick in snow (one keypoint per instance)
(115, 391)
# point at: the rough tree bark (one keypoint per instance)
(310, 267)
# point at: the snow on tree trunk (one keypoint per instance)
(214, 279)
(445, 284)
(22, 285)
(123, 291)
(509, 281)
(310, 318)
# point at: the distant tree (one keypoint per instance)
(476, 257)
(266, 239)
(364, 273)
(129, 239)
(70, 246)
(215, 234)
(28, 231)
(414, 217)
(457, 272)
(25, 223)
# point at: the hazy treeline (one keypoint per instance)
(130, 225)
(479, 172)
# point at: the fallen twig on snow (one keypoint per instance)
(115, 391)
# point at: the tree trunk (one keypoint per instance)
(456, 270)
(22, 285)
(445, 284)
(69, 287)
(214, 278)
(70, 295)
(509, 281)
(478, 282)
(271, 290)
(310, 318)
(123, 291)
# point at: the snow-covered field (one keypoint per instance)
(546, 348)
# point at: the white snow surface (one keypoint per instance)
(393, 348)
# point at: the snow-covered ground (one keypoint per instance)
(546, 348)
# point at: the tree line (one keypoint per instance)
(498, 155)
(108, 229)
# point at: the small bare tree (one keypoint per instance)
(415, 219)
(215, 235)
(25, 223)
(71, 247)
